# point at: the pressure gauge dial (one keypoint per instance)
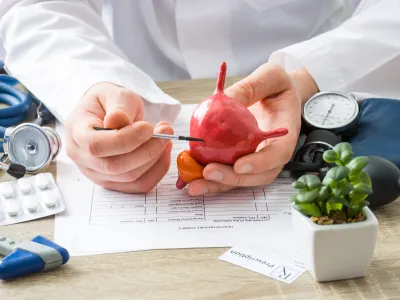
(330, 111)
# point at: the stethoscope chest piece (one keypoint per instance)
(31, 145)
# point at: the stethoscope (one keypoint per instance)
(26, 147)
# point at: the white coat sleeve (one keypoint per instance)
(362, 55)
(59, 49)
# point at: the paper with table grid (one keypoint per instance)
(97, 220)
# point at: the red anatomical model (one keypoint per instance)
(228, 128)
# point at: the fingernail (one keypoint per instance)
(145, 131)
(161, 123)
(202, 191)
(215, 176)
(246, 168)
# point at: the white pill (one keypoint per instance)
(42, 182)
(11, 208)
(49, 199)
(30, 203)
(24, 185)
(7, 190)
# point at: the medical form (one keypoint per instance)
(103, 221)
(167, 204)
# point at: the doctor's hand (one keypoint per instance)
(126, 159)
(275, 98)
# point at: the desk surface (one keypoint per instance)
(197, 273)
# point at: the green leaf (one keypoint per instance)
(330, 182)
(342, 189)
(342, 147)
(358, 163)
(337, 173)
(307, 197)
(311, 181)
(346, 156)
(324, 193)
(330, 156)
(334, 206)
(298, 185)
(352, 211)
(308, 209)
(356, 208)
(337, 199)
(302, 179)
(362, 188)
(293, 198)
(364, 178)
(337, 191)
(357, 198)
(354, 176)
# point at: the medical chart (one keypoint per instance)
(97, 220)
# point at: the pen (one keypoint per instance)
(164, 136)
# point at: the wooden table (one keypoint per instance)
(197, 273)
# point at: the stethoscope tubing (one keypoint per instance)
(18, 102)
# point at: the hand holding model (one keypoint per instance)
(127, 159)
(250, 131)
(261, 117)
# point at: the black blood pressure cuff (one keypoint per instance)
(378, 129)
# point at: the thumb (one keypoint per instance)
(122, 108)
(266, 81)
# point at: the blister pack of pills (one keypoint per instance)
(29, 198)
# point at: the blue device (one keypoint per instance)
(34, 256)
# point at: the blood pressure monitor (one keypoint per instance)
(331, 111)
(327, 119)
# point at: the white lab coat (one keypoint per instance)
(58, 49)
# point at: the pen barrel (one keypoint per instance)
(164, 136)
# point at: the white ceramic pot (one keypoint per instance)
(338, 251)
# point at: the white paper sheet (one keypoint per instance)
(271, 250)
(97, 220)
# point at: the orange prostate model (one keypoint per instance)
(188, 169)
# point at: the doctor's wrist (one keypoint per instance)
(304, 83)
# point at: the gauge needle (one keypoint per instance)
(327, 117)
(329, 111)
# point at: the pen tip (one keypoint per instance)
(195, 139)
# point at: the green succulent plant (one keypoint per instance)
(345, 187)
